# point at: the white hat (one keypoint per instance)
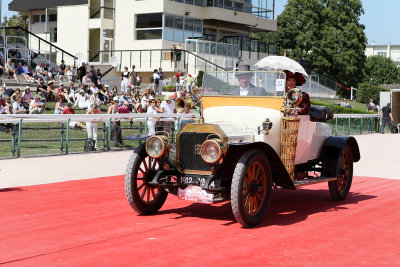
(151, 98)
(115, 98)
(168, 97)
(106, 85)
(27, 87)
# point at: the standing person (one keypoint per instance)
(156, 79)
(124, 82)
(151, 122)
(386, 115)
(118, 131)
(161, 81)
(132, 78)
(168, 107)
(82, 71)
(138, 80)
(189, 83)
(92, 126)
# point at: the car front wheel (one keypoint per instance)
(251, 188)
(143, 197)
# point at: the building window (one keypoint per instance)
(101, 9)
(153, 20)
(383, 54)
(149, 26)
(53, 35)
(39, 18)
(179, 28)
(148, 34)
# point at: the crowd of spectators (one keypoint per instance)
(89, 95)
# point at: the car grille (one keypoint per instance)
(189, 151)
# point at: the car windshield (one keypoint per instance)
(244, 83)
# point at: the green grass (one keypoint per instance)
(355, 104)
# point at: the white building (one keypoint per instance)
(141, 32)
(388, 50)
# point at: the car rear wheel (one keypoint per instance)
(143, 197)
(341, 187)
(251, 188)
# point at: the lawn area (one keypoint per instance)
(355, 104)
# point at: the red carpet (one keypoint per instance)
(89, 222)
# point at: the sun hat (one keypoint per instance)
(115, 98)
(168, 97)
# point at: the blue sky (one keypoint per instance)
(381, 19)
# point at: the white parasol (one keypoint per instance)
(280, 63)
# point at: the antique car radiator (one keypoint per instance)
(188, 153)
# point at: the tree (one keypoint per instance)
(327, 35)
(381, 70)
(20, 20)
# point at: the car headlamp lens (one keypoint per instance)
(155, 147)
(211, 151)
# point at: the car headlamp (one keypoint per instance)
(156, 146)
(211, 151)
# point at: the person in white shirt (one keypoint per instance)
(82, 100)
(18, 107)
(36, 106)
(151, 122)
(168, 107)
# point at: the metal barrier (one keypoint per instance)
(348, 124)
(63, 131)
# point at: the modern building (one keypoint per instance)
(211, 33)
(388, 50)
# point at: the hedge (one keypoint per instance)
(366, 91)
(341, 110)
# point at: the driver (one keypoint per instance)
(246, 88)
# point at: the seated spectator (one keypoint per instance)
(344, 103)
(18, 107)
(82, 100)
(40, 73)
(24, 71)
(68, 73)
(70, 92)
(17, 91)
(73, 124)
(114, 91)
(8, 109)
(92, 126)
(37, 106)
(3, 92)
(27, 97)
(10, 70)
(59, 108)
(371, 105)
(145, 101)
(102, 94)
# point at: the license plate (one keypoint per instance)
(195, 193)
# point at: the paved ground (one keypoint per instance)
(379, 158)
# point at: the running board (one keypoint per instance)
(313, 181)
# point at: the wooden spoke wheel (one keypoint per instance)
(143, 197)
(341, 187)
(251, 188)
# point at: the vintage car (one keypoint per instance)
(245, 143)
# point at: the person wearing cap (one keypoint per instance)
(92, 126)
(37, 106)
(51, 91)
(82, 100)
(27, 97)
(69, 110)
(246, 88)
